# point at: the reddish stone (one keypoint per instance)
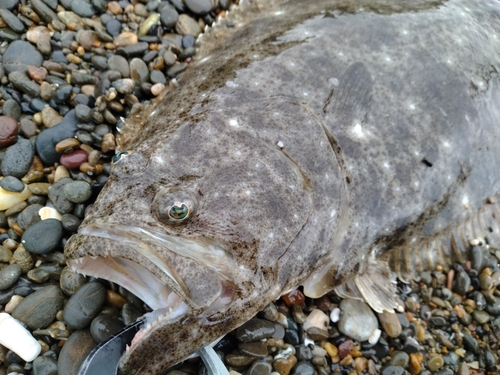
(295, 297)
(345, 348)
(8, 131)
(74, 160)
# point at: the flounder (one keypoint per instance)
(311, 143)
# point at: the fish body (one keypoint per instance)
(302, 148)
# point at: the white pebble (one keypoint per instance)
(282, 320)
(316, 318)
(9, 198)
(308, 342)
(11, 305)
(375, 336)
(49, 213)
(335, 315)
(18, 339)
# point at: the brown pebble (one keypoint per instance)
(37, 74)
(17, 229)
(360, 364)
(88, 149)
(157, 89)
(87, 168)
(295, 297)
(50, 117)
(449, 278)
(114, 7)
(67, 145)
(415, 363)
(284, 365)
(390, 323)
(46, 91)
(108, 143)
(125, 39)
(345, 348)
(256, 349)
(346, 361)
(73, 59)
(28, 127)
(94, 157)
(115, 299)
(8, 131)
(61, 172)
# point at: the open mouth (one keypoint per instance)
(150, 266)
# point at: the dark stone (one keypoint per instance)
(84, 305)
(43, 237)
(19, 54)
(18, 158)
(74, 351)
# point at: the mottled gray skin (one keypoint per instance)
(357, 99)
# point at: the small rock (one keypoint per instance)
(12, 184)
(356, 319)
(74, 351)
(84, 305)
(43, 237)
(390, 323)
(9, 276)
(18, 158)
(77, 191)
(103, 327)
(255, 329)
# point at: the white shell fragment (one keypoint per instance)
(318, 319)
(18, 339)
(9, 198)
(49, 213)
(375, 336)
(335, 315)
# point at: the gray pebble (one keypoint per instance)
(139, 70)
(357, 320)
(119, 63)
(74, 351)
(43, 236)
(29, 216)
(399, 358)
(39, 309)
(58, 198)
(393, 370)
(47, 14)
(18, 158)
(9, 276)
(157, 77)
(23, 83)
(84, 305)
(124, 86)
(470, 343)
(11, 183)
(44, 366)
(176, 69)
(70, 222)
(82, 8)
(260, 368)
(461, 283)
(19, 54)
(77, 191)
(303, 368)
(168, 16)
(83, 112)
(130, 313)
(12, 109)
(201, 6)
(11, 20)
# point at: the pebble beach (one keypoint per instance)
(71, 71)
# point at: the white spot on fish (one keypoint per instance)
(248, 192)
(417, 183)
(388, 59)
(333, 213)
(231, 84)
(341, 53)
(305, 93)
(271, 235)
(327, 176)
(152, 113)
(386, 165)
(159, 159)
(292, 63)
(256, 83)
(280, 144)
(333, 81)
(412, 106)
(233, 122)
(358, 130)
(405, 32)
(257, 165)
(276, 114)
(417, 153)
(465, 200)
(446, 144)
(238, 153)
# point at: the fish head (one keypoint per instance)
(195, 223)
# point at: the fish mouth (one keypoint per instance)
(150, 265)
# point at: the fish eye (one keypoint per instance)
(118, 156)
(174, 206)
(127, 163)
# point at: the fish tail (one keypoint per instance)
(453, 245)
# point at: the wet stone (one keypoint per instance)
(255, 329)
(435, 362)
(124, 86)
(39, 309)
(176, 69)
(43, 237)
(11, 183)
(9, 276)
(130, 313)
(481, 317)
(70, 281)
(19, 54)
(255, 349)
(399, 358)
(12, 21)
(83, 112)
(461, 283)
(18, 159)
(12, 109)
(187, 25)
(74, 351)
(84, 305)
(74, 159)
(103, 327)
(493, 307)
(139, 70)
(260, 368)
(470, 343)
